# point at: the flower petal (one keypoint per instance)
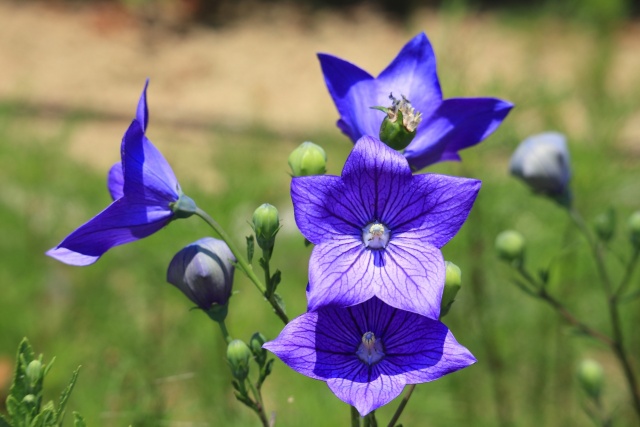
(315, 200)
(115, 181)
(354, 92)
(367, 389)
(123, 221)
(142, 112)
(340, 273)
(421, 349)
(411, 277)
(147, 175)
(456, 124)
(434, 211)
(413, 74)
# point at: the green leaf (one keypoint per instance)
(20, 386)
(307, 243)
(250, 248)
(64, 397)
(78, 421)
(15, 410)
(275, 279)
(46, 418)
(4, 422)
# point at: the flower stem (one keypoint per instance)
(243, 263)
(403, 403)
(225, 332)
(618, 344)
(628, 273)
(355, 417)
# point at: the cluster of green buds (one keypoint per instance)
(399, 126)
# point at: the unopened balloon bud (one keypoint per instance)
(266, 224)
(308, 159)
(510, 246)
(255, 344)
(591, 377)
(238, 355)
(452, 284)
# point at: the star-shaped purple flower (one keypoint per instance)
(447, 126)
(378, 230)
(368, 353)
(146, 198)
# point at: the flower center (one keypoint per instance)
(375, 236)
(410, 117)
(370, 350)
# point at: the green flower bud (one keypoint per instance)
(591, 377)
(398, 128)
(34, 372)
(510, 245)
(308, 159)
(255, 343)
(452, 283)
(634, 228)
(266, 224)
(238, 355)
(605, 225)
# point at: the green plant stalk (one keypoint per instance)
(225, 332)
(628, 273)
(355, 417)
(243, 263)
(403, 403)
(267, 274)
(618, 345)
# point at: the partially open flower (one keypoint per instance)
(203, 271)
(542, 162)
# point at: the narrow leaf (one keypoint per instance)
(20, 387)
(250, 248)
(280, 302)
(64, 397)
(4, 422)
(275, 279)
(78, 421)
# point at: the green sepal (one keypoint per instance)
(78, 420)
(4, 422)
(218, 312)
(184, 207)
(250, 247)
(64, 397)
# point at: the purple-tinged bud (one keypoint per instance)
(510, 246)
(399, 126)
(308, 159)
(605, 225)
(591, 377)
(634, 229)
(203, 271)
(266, 225)
(238, 355)
(452, 284)
(542, 162)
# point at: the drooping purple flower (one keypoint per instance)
(447, 126)
(368, 353)
(378, 230)
(146, 194)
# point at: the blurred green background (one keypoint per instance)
(234, 88)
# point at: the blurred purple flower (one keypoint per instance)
(378, 230)
(368, 353)
(447, 126)
(145, 191)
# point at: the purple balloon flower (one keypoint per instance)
(378, 230)
(369, 352)
(447, 126)
(146, 194)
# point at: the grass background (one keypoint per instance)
(147, 360)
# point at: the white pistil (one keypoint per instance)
(375, 236)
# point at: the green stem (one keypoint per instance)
(618, 345)
(259, 405)
(243, 263)
(628, 273)
(403, 403)
(267, 273)
(225, 332)
(355, 417)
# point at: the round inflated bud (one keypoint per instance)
(266, 224)
(591, 377)
(634, 229)
(238, 356)
(255, 344)
(452, 284)
(308, 159)
(203, 271)
(604, 225)
(510, 245)
(542, 162)
(34, 372)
